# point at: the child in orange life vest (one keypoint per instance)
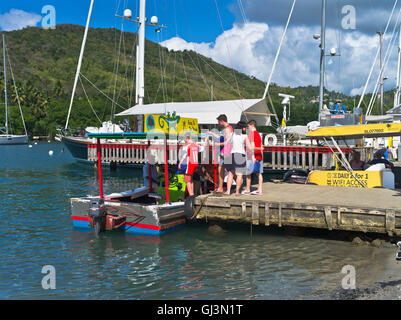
(190, 156)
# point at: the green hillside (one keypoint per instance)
(44, 63)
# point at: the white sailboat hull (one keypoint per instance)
(11, 139)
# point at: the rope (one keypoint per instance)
(200, 72)
(101, 91)
(279, 49)
(229, 54)
(16, 90)
(186, 77)
(274, 109)
(196, 212)
(377, 54)
(90, 104)
(162, 70)
(116, 67)
(242, 11)
(175, 62)
(386, 58)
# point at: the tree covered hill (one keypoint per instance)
(44, 64)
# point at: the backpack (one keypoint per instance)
(226, 151)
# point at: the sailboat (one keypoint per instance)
(205, 111)
(5, 137)
(337, 115)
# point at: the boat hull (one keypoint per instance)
(13, 139)
(140, 218)
(78, 147)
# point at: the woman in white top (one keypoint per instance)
(239, 140)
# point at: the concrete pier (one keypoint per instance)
(353, 209)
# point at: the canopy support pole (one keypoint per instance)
(149, 170)
(99, 167)
(166, 170)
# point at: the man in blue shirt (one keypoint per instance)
(379, 158)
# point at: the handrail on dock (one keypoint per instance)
(275, 157)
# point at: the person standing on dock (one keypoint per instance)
(254, 165)
(191, 158)
(238, 167)
(225, 147)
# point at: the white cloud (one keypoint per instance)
(252, 48)
(17, 19)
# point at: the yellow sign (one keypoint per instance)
(170, 124)
(358, 131)
(370, 179)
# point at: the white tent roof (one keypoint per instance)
(299, 130)
(379, 118)
(207, 111)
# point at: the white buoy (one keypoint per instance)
(50, 153)
(30, 146)
(36, 143)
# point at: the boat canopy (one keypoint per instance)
(207, 111)
(379, 118)
(357, 131)
(136, 135)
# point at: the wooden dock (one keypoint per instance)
(311, 206)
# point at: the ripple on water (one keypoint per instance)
(187, 264)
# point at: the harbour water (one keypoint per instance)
(189, 263)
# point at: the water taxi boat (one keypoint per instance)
(138, 211)
(376, 176)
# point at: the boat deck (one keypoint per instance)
(334, 208)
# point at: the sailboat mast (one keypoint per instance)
(381, 70)
(397, 90)
(322, 54)
(5, 80)
(80, 62)
(140, 80)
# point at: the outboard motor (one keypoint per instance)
(97, 215)
(296, 176)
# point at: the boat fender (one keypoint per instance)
(189, 207)
(270, 140)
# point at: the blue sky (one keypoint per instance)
(193, 20)
(251, 36)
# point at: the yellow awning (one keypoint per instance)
(357, 131)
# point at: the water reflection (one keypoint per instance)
(189, 263)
